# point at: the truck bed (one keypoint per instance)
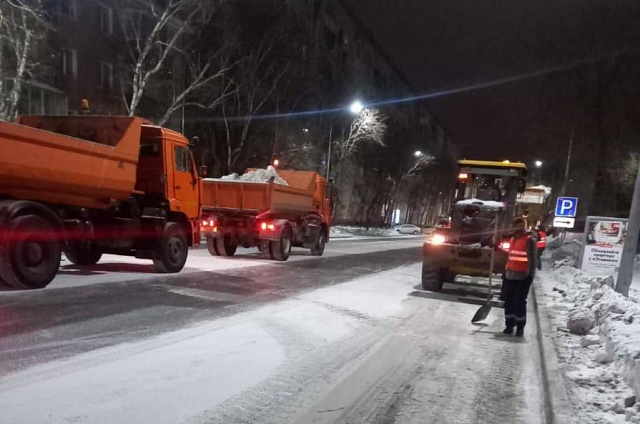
(83, 161)
(254, 198)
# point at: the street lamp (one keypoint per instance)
(356, 107)
(417, 153)
(276, 163)
(538, 163)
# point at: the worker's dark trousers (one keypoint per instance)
(515, 301)
(539, 258)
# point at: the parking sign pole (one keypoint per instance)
(625, 274)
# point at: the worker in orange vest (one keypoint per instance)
(542, 244)
(518, 276)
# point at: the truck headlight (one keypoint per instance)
(438, 239)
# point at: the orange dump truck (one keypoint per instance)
(272, 217)
(91, 185)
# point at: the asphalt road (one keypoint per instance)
(346, 338)
(122, 300)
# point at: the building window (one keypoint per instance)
(106, 19)
(70, 63)
(106, 75)
(133, 24)
(68, 7)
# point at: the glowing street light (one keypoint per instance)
(417, 153)
(356, 107)
(538, 163)
(276, 162)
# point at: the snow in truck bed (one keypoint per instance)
(489, 203)
(255, 176)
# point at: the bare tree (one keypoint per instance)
(253, 84)
(369, 126)
(155, 32)
(20, 25)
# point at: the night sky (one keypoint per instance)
(450, 44)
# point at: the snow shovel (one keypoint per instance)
(483, 312)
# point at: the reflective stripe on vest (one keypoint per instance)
(542, 239)
(518, 260)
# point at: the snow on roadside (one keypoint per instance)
(602, 358)
(257, 176)
(341, 231)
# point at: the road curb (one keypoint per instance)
(558, 409)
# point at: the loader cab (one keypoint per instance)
(166, 168)
(490, 181)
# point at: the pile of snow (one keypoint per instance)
(257, 176)
(565, 252)
(342, 231)
(597, 333)
(488, 203)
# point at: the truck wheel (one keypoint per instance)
(224, 246)
(84, 257)
(318, 249)
(281, 249)
(212, 246)
(29, 261)
(431, 278)
(172, 255)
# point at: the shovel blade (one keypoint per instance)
(482, 313)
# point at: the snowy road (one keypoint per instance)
(348, 338)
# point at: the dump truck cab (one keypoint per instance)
(485, 202)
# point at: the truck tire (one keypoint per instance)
(318, 249)
(173, 251)
(281, 250)
(432, 278)
(212, 247)
(83, 257)
(27, 261)
(224, 246)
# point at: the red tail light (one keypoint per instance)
(265, 226)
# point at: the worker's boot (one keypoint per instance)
(520, 330)
(507, 330)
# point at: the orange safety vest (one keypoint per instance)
(542, 239)
(518, 260)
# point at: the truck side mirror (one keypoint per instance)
(203, 171)
(522, 185)
(195, 141)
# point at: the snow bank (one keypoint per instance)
(343, 231)
(257, 176)
(603, 352)
(489, 203)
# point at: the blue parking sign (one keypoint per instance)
(567, 206)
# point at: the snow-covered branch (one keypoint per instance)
(368, 127)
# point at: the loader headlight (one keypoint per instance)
(438, 239)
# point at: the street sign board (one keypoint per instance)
(567, 206)
(562, 222)
(603, 244)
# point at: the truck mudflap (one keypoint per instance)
(463, 260)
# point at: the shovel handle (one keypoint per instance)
(493, 255)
